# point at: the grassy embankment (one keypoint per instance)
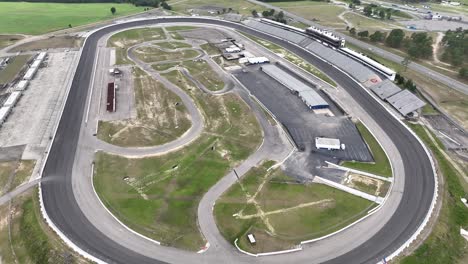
(281, 212)
(125, 39)
(7, 40)
(381, 165)
(159, 196)
(291, 57)
(14, 173)
(13, 68)
(161, 117)
(39, 18)
(243, 7)
(445, 244)
(321, 12)
(26, 238)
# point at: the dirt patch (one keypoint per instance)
(366, 184)
(54, 42)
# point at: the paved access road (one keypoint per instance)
(450, 82)
(61, 206)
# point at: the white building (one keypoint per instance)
(21, 85)
(327, 143)
(258, 60)
(30, 73)
(4, 112)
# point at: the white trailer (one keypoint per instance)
(12, 99)
(36, 64)
(258, 60)
(41, 56)
(4, 112)
(21, 85)
(327, 143)
(251, 239)
(30, 73)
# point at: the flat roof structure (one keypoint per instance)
(385, 89)
(30, 73)
(36, 64)
(258, 60)
(327, 143)
(312, 99)
(405, 102)
(41, 56)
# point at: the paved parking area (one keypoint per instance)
(32, 120)
(302, 124)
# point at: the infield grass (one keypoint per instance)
(381, 165)
(283, 212)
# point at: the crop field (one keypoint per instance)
(159, 196)
(381, 165)
(280, 212)
(160, 117)
(39, 18)
(125, 39)
(206, 6)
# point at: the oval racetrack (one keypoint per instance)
(63, 210)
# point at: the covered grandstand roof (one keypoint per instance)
(385, 89)
(405, 102)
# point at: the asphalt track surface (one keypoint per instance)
(63, 210)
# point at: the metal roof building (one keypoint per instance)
(385, 89)
(312, 99)
(405, 102)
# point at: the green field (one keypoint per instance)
(161, 194)
(39, 18)
(242, 6)
(321, 12)
(156, 123)
(281, 212)
(15, 65)
(172, 45)
(381, 165)
(444, 244)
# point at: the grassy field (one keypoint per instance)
(159, 196)
(39, 18)
(20, 171)
(201, 71)
(280, 212)
(445, 244)
(381, 165)
(180, 28)
(160, 116)
(154, 54)
(450, 100)
(125, 39)
(291, 57)
(30, 240)
(210, 48)
(7, 40)
(15, 65)
(165, 66)
(321, 12)
(361, 22)
(242, 6)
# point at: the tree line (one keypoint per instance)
(150, 3)
(271, 14)
(455, 44)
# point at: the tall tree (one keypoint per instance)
(113, 10)
(395, 38)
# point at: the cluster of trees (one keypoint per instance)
(456, 47)
(270, 14)
(150, 3)
(405, 83)
(418, 45)
(373, 9)
(354, 3)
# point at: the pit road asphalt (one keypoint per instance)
(64, 211)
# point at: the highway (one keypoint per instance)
(450, 82)
(63, 209)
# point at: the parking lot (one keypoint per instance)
(301, 123)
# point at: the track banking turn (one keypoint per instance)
(64, 212)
